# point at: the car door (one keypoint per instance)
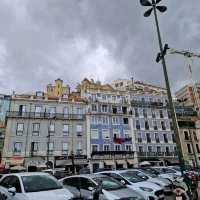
(87, 187)
(9, 182)
(73, 185)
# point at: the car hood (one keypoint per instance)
(146, 184)
(159, 181)
(61, 194)
(125, 193)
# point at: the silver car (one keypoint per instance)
(84, 186)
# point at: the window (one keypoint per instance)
(94, 107)
(105, 134)
(79, 148)
(114, 98)
(38, 110)
(139, 138)
(79, 129)
(146, 125)
(145, 113)
(51, 147)
(94, 147)
(165, 138)
(51, 128)
(117, 147)
(94, 134)
(65, 148)
(141, 149)
(157, 138)
(104, 108)
(106, 147)
(136, 112)
(65, 111)
(124, 110)
(52, 111)
(161, 114)
(79, 111)
(173, 138)
(12, 181)
(189, 148)
(20, 128)
(127, 134)
(34, 146)
(115, 120)
(153, 114)
(163, 125)
(114, 109)
(148, 137)
(150, 149)
(195, 136)
(128, 147)
(22, 109)
(155, 125)
(86, 183)
(66, 129)
(105, 120)
(36, 129)
(116, 133)
(158, 148)
(186, 134)
(17, 147)
(125, 120)
(94, 120)
(197, 147)
(137, 124)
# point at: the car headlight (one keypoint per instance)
(146, 189)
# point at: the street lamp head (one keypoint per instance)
(145, 3)
(158, 1)
(148, 12)
(161, 8)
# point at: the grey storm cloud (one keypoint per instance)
(41, 40)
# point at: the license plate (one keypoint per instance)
(179, 198)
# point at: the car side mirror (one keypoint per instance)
(123, 182)
(12, 191)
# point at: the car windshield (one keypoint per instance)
(148, 173)
(37, 183)
(132, 177)
(109, 183)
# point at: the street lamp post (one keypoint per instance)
(154, 7)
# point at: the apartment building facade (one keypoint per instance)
(189, 134)
(110, 136)
(41, 129)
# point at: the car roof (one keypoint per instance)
(27, 174)
(115, 171)
(86, 176)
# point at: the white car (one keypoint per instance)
(149, 191)
(84, 186)
(32, 186)
(162, 182)
(171, 174)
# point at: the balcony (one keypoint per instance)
(157, 154)
(135, 103)
(43, 115)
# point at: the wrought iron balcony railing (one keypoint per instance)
(43, 115)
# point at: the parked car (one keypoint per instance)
(149, 191)
(171, 174)
(32, 186)
(57, 173)
(85, 186)
(162, 182)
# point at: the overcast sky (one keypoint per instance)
(41, 40)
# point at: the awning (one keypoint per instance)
(80, 162)
(131, 162)
(120, 162)
(16, 161)
(63, 162)
(109, 162)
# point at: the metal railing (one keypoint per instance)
(43, 115)
(157, 154)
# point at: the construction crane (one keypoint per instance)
(187, 54)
